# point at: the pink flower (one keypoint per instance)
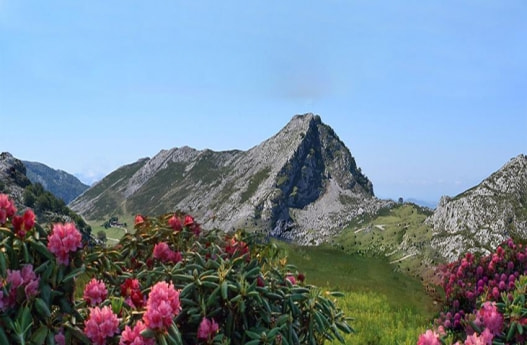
(429, 338)
(95, 292)
(133, 336)
(60, 339)
(188, 220)
(131, 290)
(236, 247)
(29, 219)
(291, 278)
(207, 329)
(14, 278)
(162, 305)
(175, 223)
(485, 338)
(7, 208)
(490, 318)
(163, 253)
(101, 324)
(139, 219)
(64, 239)
(25, 279)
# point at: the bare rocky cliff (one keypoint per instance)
(479, 219)
(302, 184)
(13, 178)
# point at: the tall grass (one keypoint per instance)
(377, 321)
(388, 307)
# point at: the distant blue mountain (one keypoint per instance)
(59, 183)
(425, 203)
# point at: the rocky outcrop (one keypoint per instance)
(482, 217)
(302, 184)
(13, 178)
(61, 184)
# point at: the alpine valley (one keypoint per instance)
(303, 185)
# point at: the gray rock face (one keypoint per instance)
(481, 218)
(61, 184)
(13, 178)
(301, 184)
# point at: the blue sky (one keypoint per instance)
(429, 96)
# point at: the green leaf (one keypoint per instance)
(336, 294)
(25, 320)
(272, 333)
(252, 335)
(224, 291)
(148, 333)
(162, 339)
(3, 337)
(6, 231)
(27, 257)
(42, 308)
(74, 273)
(212, 298)
(175, 335)
(40, 248)
(77, 333)
(39, 336)
(3, 265)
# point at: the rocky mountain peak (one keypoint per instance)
(482, 217)
(302, 178)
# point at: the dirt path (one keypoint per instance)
(401, 259)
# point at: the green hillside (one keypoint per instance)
(388, 307)
(399, 233)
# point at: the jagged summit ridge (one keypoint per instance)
(302, 178)
(482, 217)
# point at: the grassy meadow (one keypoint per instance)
(388, 307)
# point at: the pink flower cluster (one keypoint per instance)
(471, 277)
(192, 225)
(163, 253)
(101, 324)
(95, 292)
(235, 248)
(162, 305)
(131, 291)
(490, 318)
(491, 278)
(178, 222)
(175, 223)
(485, 338)
(22, 224)
(7, 208)
(63, 240)
(207, 329)
(429, 338)
(25, 280)
(291, 278)
(132, 336)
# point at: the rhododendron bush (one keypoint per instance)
(485, 299)
(167, 283)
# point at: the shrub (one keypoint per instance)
(167, 283)
(485, 299)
